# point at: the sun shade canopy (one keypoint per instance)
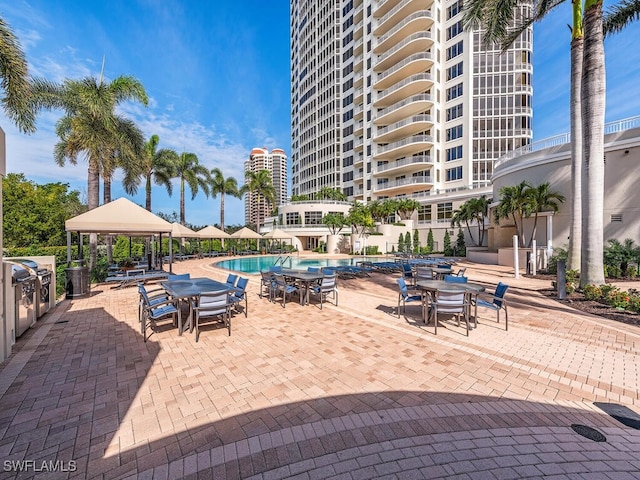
(180, 231)
(212, 232)
(120, 216)
(277, 233)
(246, 233)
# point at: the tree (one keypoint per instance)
(17, 102)
(405, 207)
(328, 193)
(461, 246)
(543, 199)
(407, 241)
(223, 186)
(496, 17)
(91, 126)
(34, 214)
(191, 173)
(448, 251)
(430, 241)
(514, 204)
(400, 243)
(360, 218)
(335, 222)
(259, 185)
(463, 214)
(416, 241)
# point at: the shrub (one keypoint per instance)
(592, 292)
(572, 280)
(558, 254)
(372, 250)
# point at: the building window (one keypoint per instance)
(454, 92)
(445, 211)
(312, 218)
(455, 71)
(293, 218)
(424, 213)
(454, 153)
(454, 132)
(454, 9)
(454, 30)
(454, 50)
(454, 174)
(454, 112)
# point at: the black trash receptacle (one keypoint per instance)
(78, 280)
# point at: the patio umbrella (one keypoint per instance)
(180, 231)
(277, 234)
(212, 232)
(246, 234)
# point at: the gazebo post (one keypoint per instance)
(170, 253)
(68, 248)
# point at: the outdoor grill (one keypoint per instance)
(43, 284)
(21, 298)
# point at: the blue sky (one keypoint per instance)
(217, 75)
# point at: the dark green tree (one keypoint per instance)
(448, 251)
(461, 247)
(430, 242)
(407, 241)
(401, 243)
(416, 241)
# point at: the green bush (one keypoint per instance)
(372, 250)
(558, 254)
(592, 292)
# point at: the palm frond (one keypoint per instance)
(618, 16)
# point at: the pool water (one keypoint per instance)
(258, 264)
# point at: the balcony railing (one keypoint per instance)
(612, 127)
(417, 159)
(397, 86)
(422, 97)
(413, 58)
(401, 25)
(394, 126)
(403, 182)
(403, 142)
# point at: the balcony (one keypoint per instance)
(358, 177)
(404, 186)
(358, 127)
(357, 111)
(403, 109)
(357, 30)
(420, 21)
(420, 82)
(358, 160)
(416, 63)
(404, 147)
(395, 15)
(357, 63)
(406, 166)
(357, 94)
(414, 43)
(403, 128)
(358, 145)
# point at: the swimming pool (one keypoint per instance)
(258, 264)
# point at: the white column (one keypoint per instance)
(549, 236)
(534, 257)
(516, 263)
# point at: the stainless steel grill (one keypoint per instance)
(43, 284)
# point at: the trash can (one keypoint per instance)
(78, 281)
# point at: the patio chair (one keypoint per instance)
(178, 277)
(151, 298)
(152, 311)
(448, 302)
(211, 305)
(408, 273)
(460, 273)
(497, 302)
(231, 280)
(404, 296)
(240, 294)
(424, 273)
(266, 283)
(326, 287)
(281, 286)
(313, 269)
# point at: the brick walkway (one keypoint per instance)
(345, 392)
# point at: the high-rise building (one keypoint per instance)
(396, 99)
(276, 163)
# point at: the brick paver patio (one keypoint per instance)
(345, 392)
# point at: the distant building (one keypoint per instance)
(276, 163)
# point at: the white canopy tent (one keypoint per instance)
(119, 217)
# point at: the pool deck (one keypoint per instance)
(347, 392)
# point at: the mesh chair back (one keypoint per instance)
(450, 302)
(403, 287)
(328, 271)
(328, 283)
(182, 276)
(424, 273)
(213, 303)
(232, 279)
(501, 290)
(455, 279)
(242, 286)
(313, 269)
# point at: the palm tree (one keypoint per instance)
(223, 186)
(589, 166)
(514, 204)
(619, 16)
(480, 209)
(543, 199)
(405, 207)
(259, 185)
(189, 171)
(465, 215)
(155, 166)
(91, 127)
(17, 102)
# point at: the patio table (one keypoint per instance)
(192, 288)
(306, 278)
(472, 289)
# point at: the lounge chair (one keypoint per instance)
(136, 275)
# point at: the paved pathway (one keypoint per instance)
(344, 392)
